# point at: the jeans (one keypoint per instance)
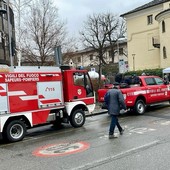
(114, 122)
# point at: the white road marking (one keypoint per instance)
(109, 159)
(141, 130)
(166, 123)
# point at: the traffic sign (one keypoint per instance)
(61, 149)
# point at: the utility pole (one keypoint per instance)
(9, 35)
(3, 11)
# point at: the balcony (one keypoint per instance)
(156, 42)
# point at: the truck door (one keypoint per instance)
(154, 90)
(83, 85)
(163, 92)
(78, 86)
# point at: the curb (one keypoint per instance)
(97, 112)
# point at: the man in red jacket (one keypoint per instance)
(115, 101)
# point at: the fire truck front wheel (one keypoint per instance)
(77, 118)
(15, 131)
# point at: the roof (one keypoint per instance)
(162, 12)
(145, 6)
(90, 49)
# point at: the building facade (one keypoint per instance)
(148, 35)
(6, 44)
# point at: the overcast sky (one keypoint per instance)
(76, 11)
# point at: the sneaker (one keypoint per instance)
(112, 136)
(122, 131)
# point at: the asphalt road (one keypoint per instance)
(144, 145)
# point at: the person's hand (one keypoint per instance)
(123, 111)
(126, 110)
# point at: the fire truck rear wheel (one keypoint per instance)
(77, 118)
(140, 107)
(15, 131)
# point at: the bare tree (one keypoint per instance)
(101, 31)
(69, 48)
(42, 33)
(19, 8)
(116, 28)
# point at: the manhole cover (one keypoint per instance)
(61, 149)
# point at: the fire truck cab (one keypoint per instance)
(33, 96)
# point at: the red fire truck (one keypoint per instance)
(32, 96)
(149, 90)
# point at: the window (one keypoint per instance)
(91, 57)
(163, 26)
(88, 86)
(150, 19)
(79, 59)
(79, 79)
(150, 81)
(121, 51)
(159, 81)
(164, 53)
(109, 53)
(83, 79)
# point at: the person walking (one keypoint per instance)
(115, 102)
(166, 79)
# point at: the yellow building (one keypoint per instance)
(148, 33)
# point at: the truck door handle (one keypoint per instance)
(75, 97)
(49, 75)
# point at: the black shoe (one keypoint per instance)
(112, 136)
(122, 131)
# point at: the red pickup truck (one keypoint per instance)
(149, 90)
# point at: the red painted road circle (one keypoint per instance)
(61, 149)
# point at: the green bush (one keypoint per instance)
(155, 72)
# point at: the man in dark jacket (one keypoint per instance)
(115, 102)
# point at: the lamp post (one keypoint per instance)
(133, 55)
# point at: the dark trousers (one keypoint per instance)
(114, 122)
